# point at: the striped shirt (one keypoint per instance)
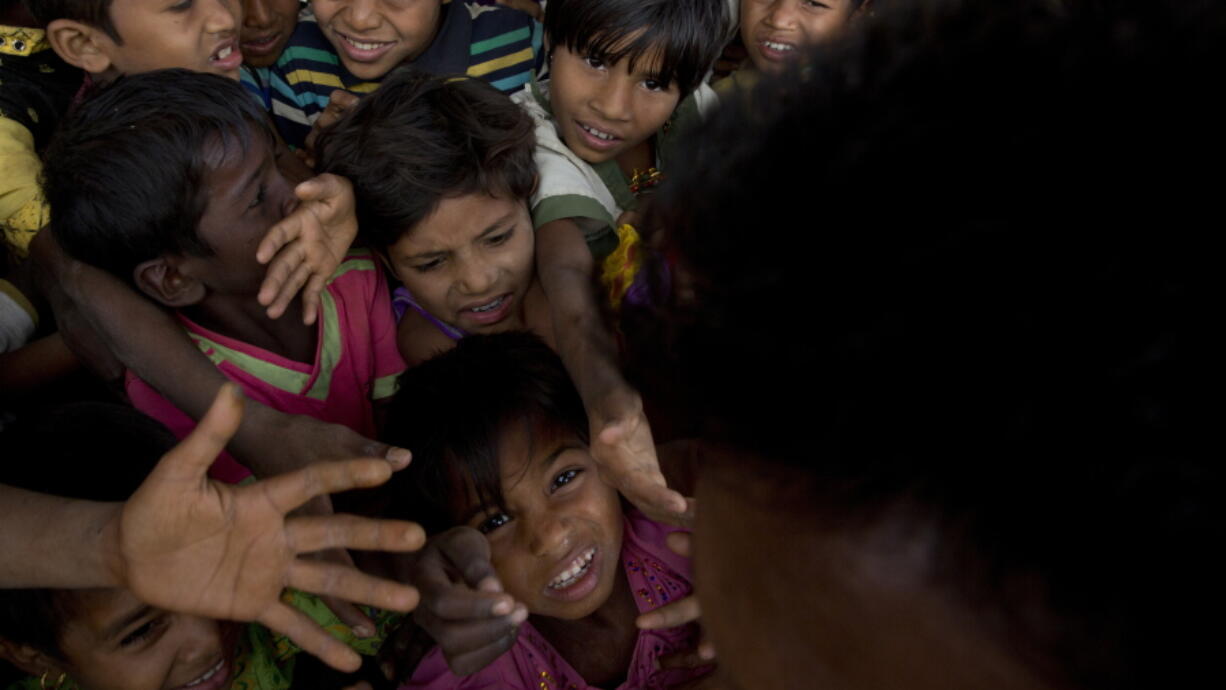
(497, 44)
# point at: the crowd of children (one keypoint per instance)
(757, 343)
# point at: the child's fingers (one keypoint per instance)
(289, 288)
(459, 637)
(469, 552)
(681, 543)
(278, 236)
(292, 489)
(321, 532)
(671, 615)
(691, 658)
(347, 583)
(470, 662)
(653, 497)
(313, 639)
(310, 297)
(190, 460)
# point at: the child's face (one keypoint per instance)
(558, 546)
(470, 262)
(200, 35)
(776, 31)
(371, 37)
(115, 641)
(246, 195)
(605, 110)
(267, 27)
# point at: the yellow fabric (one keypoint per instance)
(22, 41)
(22, 208)
(622, 265)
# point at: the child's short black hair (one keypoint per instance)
(452, 410)
(420, 139)
(688, 34)
(125, 175)
(92, 12)
(90, 451)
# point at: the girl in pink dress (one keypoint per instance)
(499, 438)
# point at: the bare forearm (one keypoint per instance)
(584, 343)
(57, 543)
(146, 339)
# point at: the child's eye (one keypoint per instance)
(500, 238)
(654, 85)
(594, 62)
(183, 6)
(428, 266)
(259, 198)
(815, 4)
(493, 522)
(143, 632)
(565, 478)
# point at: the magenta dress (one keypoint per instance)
(657, 576)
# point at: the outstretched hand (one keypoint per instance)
(625, 454)
(222, 551)
(463, 606)
(307, 246)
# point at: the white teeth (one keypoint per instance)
(489, 307)
(598, 134)
(362, 46)
(207, 674)
(576, 570)
(779, 46)
(224, 53)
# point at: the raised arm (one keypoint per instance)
(621, 439)
(185, 543)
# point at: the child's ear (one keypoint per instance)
(162, 280)
(28, 659)
(80, 45)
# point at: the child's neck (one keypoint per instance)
(604, 664)
(242, 318)
(638, 159)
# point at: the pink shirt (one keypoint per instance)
(356, 362)
(657, 576)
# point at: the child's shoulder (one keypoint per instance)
(500, 45)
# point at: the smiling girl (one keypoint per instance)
(500, 445)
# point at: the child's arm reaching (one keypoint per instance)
(160, 353)
(187, 544)
(621, 436)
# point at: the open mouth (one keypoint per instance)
(490, 312)
(777, 50)
(227, 56)
(363, 50)
(261, 45)
(578, 568)
(213, 677)
(490, 306)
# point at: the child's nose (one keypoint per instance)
(223, 16)
(362, 15)
(256, 13)
(477, 276)
(614, 102)
(548, 536)
(781, 15)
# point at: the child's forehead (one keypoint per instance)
(642, 53)
(95, 614)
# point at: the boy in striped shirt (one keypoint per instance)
(352, 44)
